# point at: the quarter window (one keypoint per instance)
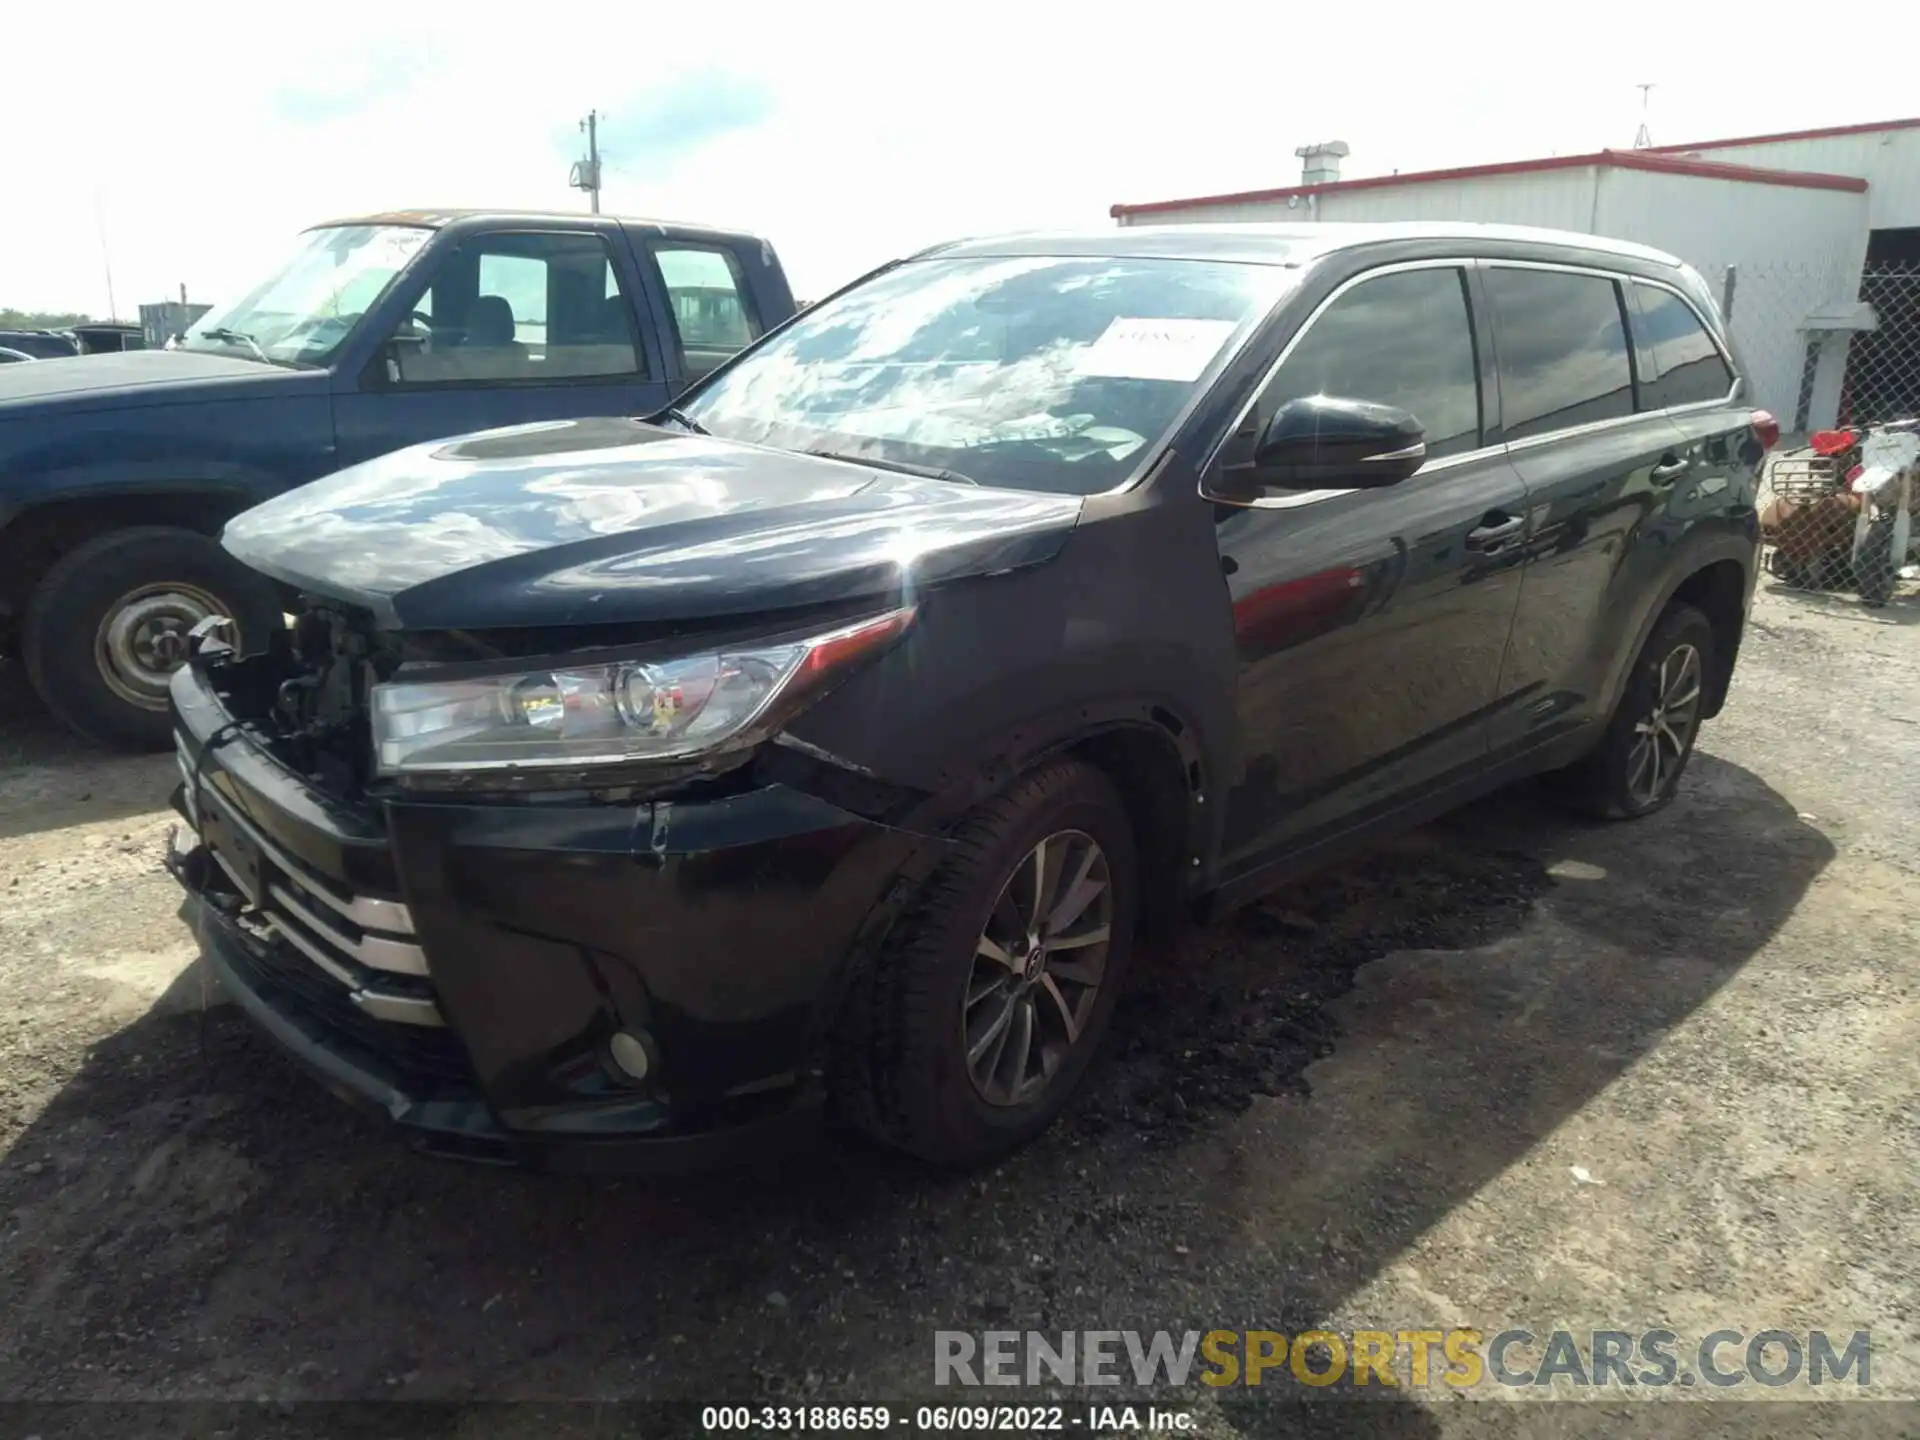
(1403, 339)
(1562, 349)
(711, 312)
(1679, 363)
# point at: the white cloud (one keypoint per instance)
(865, 130)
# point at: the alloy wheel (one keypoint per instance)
(1662, 734)
(1037, 968)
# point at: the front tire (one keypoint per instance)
(978, 1019)
(107, 625)
(1636, 767)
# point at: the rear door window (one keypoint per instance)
(1402, 339)
(1679, 363)
(1562, 350)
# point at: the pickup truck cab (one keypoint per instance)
(118, 470)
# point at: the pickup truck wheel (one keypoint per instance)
(990, 997)
(107, 626)
(1636, 767)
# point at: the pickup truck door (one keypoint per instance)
(503, 328)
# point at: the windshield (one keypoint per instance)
(301, 314)
(1031, 372)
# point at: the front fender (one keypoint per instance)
(247, 448)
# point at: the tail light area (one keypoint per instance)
(1766, 429)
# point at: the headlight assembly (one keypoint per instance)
(615, 713)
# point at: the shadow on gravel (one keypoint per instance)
(50, 778)
(190, 1216)
(1902, 609)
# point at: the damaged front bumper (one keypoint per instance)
(467, 967)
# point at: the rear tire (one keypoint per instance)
(1636, 767)
(919, 1069)
(108, 623)
(1876, 570)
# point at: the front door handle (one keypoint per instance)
(1669, 470)
(1494, 531)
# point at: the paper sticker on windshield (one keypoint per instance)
(1136, 348)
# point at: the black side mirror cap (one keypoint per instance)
(1329, 442)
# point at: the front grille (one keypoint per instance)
(348, 961)
(428, 1062)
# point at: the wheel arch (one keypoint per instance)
(1156, 760)
(1716, 578)
(1717, 590)
(37, 534)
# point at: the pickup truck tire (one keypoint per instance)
(928, 1072)
(108, 623)
(1636, 767)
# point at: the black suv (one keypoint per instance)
(625, 789)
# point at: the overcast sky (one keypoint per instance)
(205, 136)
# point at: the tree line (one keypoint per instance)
(41, 319)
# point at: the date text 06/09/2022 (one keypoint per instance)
(940, 1419)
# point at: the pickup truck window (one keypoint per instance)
(712, 312)
(302, 312)
(1035, 372)
(519, 308)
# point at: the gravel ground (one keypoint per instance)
(1361, 1103)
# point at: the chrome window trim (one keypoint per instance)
(1445, 462)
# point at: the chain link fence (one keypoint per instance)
(1835, 356)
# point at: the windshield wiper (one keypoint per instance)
(905, 467)
(237, 337)
(684, 420)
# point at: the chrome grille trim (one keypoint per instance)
(400, 1009)
(373, 951)
(366, 911)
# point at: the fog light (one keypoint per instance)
(631, 1053)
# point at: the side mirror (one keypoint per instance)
(1326, 442)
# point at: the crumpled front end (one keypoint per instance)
(578, 979)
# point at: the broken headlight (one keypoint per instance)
(615, 713)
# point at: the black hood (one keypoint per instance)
(141, 377)
(612, 521)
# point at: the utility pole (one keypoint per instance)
(106, 260)
(586, 173)
(1643, 138)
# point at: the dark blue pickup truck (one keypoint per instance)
(118, 471)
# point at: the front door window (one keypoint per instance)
(519, 309)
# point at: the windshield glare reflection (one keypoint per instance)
(1031, 372)
(302, 313)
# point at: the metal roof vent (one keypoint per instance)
(1320, 164)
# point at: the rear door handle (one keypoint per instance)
(1668, 471)
(1494, 531)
